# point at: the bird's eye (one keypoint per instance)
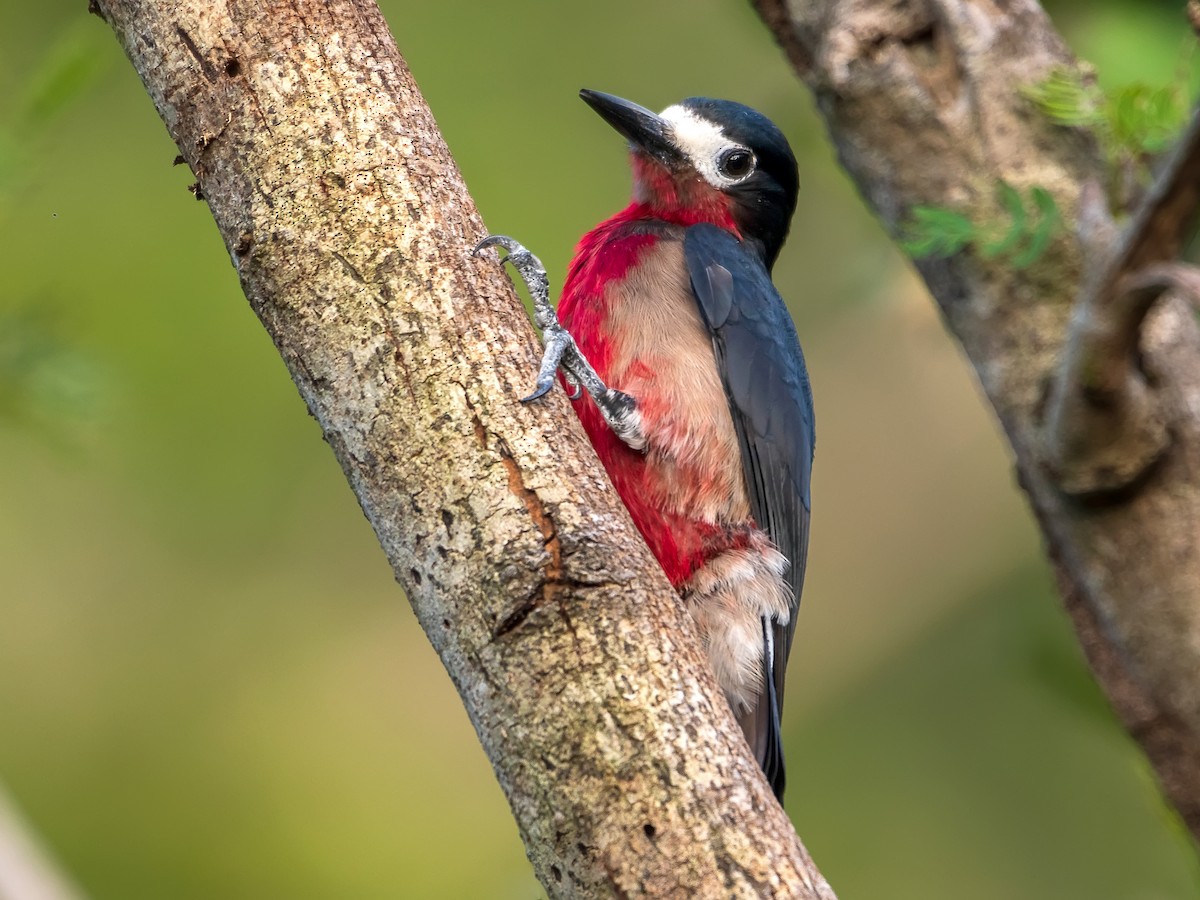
(736, 163)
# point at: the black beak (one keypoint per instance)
(642, 128)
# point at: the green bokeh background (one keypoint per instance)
(210, 686)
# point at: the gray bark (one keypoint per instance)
(350, 230)
(1092, 367)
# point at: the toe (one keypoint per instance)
(497, 240)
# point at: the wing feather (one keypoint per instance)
(766, 382)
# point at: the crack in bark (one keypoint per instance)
(209, 70)
(350, 269)
(553, 579)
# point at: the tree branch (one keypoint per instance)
(1105, 425)
(1167, 216)
(902, 83)
(26, 871)
(351, 230)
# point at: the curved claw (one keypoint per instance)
(490, 241)
(543, 388)
(498, 240)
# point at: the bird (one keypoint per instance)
(685, 369)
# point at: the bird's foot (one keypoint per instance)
(620, 410)
(560, 346)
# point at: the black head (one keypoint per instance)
(731, 148)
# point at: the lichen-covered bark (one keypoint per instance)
(350, 229)
(922, 101)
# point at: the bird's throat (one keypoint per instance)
(682, 198)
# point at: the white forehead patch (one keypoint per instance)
(701, 141)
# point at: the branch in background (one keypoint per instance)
(900, 84)
(26, 870)
(1105, 426)
(351, 231)
(1167, 215)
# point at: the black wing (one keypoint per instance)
(762, 367)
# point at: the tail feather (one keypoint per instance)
(761, 725)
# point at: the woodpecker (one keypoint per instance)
(685, 370)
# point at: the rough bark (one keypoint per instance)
(903, 83)
(350, 229)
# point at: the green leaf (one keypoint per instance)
(1048, 224)
(1016, 210)
(1133, 123)
(1065, 99)
(934, 231)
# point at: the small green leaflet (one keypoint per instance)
(1131, 122)
(938, 232)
